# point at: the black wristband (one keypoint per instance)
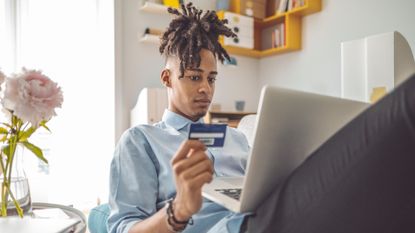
(172, 220)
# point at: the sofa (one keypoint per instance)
(97, 219)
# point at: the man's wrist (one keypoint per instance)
(176, 223)
(178, 212)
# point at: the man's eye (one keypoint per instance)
(194, 77)
(212, 80)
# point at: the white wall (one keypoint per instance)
(238, 83)
(316, 67)
(138, 65)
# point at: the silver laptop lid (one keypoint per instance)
(290, 125)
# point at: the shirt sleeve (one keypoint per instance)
(133, 182)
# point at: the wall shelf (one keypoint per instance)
(292, 22)
(243, 51)
(147, 38)
(231, 118)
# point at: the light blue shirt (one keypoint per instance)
(141, 178)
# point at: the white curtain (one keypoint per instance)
(7, 36)
(73, 43)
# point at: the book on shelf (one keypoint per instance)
(273, 38)
(276, 5)
(278, 36)
(297, 3)
(288, 5)
(282, 7)
(283, 34)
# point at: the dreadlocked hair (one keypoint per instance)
(189, 32)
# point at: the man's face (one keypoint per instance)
(190, 96)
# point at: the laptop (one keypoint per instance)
(289, 126)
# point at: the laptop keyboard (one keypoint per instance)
(233, 193)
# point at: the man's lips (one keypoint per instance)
(203, 101)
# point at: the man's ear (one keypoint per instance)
(165, 78)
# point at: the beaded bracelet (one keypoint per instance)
(172, 221)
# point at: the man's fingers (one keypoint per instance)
(201, 179)
(186, 147)
(188, 163)
(196, 169)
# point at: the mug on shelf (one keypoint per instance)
(239, 105)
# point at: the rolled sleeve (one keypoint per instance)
(133, 182)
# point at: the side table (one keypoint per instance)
(71, 212)
(46, 218)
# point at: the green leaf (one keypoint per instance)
(36, 150)
(6, 150)
(43, 124)
(14, 120)
(8, 125)
(23, 136)
(3, 131)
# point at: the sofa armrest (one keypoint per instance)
(97, 219)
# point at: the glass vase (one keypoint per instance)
(19, 186)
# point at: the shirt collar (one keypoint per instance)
(177, 121)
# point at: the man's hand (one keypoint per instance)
(192, 168)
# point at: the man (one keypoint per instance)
(154, 164)
(360, 180)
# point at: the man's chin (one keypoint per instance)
(201, 114)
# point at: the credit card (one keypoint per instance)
(212, 135)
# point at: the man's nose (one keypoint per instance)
(205, 86)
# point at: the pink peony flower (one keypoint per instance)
(32, 96)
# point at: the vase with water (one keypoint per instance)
(14, 186)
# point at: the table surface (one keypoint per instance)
(14, 223)
(70, 211)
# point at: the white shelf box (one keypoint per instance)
(154, 8)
